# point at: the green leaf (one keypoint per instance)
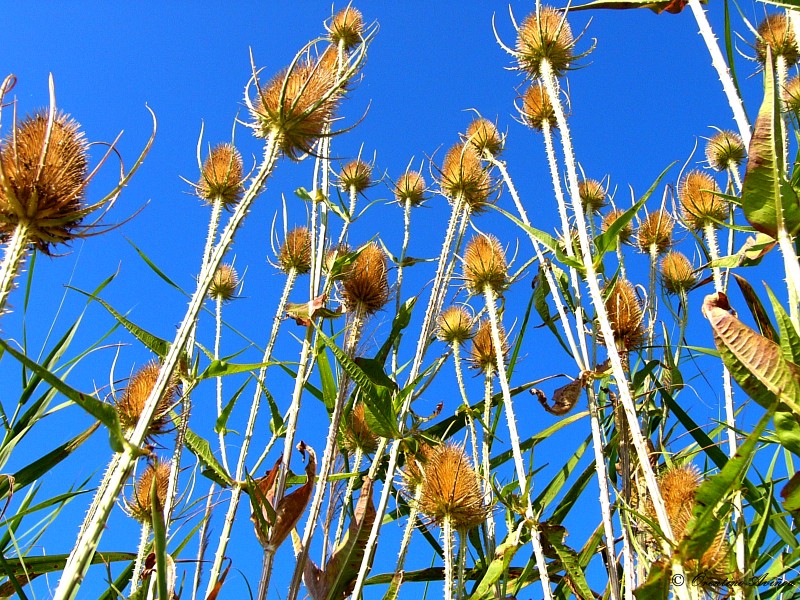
(159, 540)
(789, 339)
(554, 534)
(497, 568)
(756, 308)
(787, 428)
(657, 585)
(221, 368)
(399, 323)
(202, 450)
(791, 494)
(222, 420)
(155, 269)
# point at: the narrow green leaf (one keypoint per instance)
(202, 450)
(756, 308)
(159, 540)
(326, 378)
(554, 534)
(791, 494)
(789, 339)
(497, 569)
(222, 420)
(155, 269)
(657, 585)
(221, 368)
(399, 323)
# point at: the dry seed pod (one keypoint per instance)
(454, 325)
(482, 134)
(221, 177)
(625, 315)
(485, 265)
(410, 187)
(725, 149)
(776, 32)
(483, 353)
(45, 178)
(365, 286)
(140, 505)
(791, 95)
(295, 253)
(356, 434)
(546, 36)
(655, 230)
(626, 233)
(355, 176)
(131, 403)
(451, 489)
(223, 286)
(677, 273)
(537, 108)
(463, 176)
(592, 194)
(346, 27)
(700, 204)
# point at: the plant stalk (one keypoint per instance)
(14, 257)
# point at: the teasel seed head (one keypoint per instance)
(483, 135)
(451, 489)
(485, 265)
(347, 27)
(537, 108)
(700, 204)
(592, 194)
(356, 432)
(45, 179)
(333, 255)
(454, 325)
(463, 175)
(626, 233)
(410, 187)
(223, 285)
(483, 354)
(413, 471)
(677, 273)
(546, 36)
(625, 315)
(725, 149)
(655, 230)
(365, 285)
(776, 32)
(221, 177)
(140, 506)
(295, 253)
(791, 95)
(131, 402)
(356, 176)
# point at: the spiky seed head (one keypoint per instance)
(296, 105)
(410, 187)
(346, 27)
(626, 233)
(333, 255)
(295, 253)
(223, 286)
(791, 95)
(140, 505)
(700, 204)
(776, 32)
(655, 230)
(483, 354)
(485, 264)
(537, 108)
(356, 434)
(131, 403)
(462, 175)
(221, 177)
(45, 179)
(725, 149)
(454, 325)
(546, 36)
(625, 314)
(355, 176)
(483, 135)
(677, 273)
(451, 489)
(413, 470)
(592, 194)
(366, 286)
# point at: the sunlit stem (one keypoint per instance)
(203, 540)
(792, 267)
(462, 563)
(213, 225)
(651, 300)
(348, 496)
(468, 410)
(447, 533)
(621, 260)
(411, 525)
(486, 470)
(13, 258)
(400, 269)
(217, 338)
(141, 554)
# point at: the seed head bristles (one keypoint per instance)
(365, 285)
(346, 27)
(626, 233)
(725, 149)
(355, 176)
(625, 315)
(700, 203)
(463, 176)
(544, 36)
(483, 135)
(333, 256)
(776, 32)
(655, 230)
(131, 403)
(223, 286)
(295, 252)
(140, 506)
(410, 187)
(485, 265)
(677, 273)
(413, 471)
(221, 177)
(537, 108)
(454, 325)
(356, 432)
(791, 95)
(483, 354)
(592, 194)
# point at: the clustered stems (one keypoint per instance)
(346, 501)
(456, 347)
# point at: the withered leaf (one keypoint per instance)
(564, 398)
(305, 312)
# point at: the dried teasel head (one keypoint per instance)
(592, 194)
(485, 265)
(295, 252)
(332, 258)
(483, 135)
(791, 95)
(45, 171)
(346, 27)
(725, 149)
(454, 325)
(221, 177)
(413, 471)
(365, 285)
(537, 108)
(625, 314)
(776, 32)
(483, 354)
(356, 433)
(410, 187)
(463, 176)
(700, 203)
(545, 36)
(655, 230)
(677, 273)
(355, 176)
(140, 505)
(131, 403)
(626, 233)
(451, 489)
(223, 286)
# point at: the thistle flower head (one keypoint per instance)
(677, 273)
(483, 354)
(485, 264)
(45, 169)
(346, 27)
(221, 176)
(791, 95)
(462, 175)
(544, 36)
(776, 32)
(725, 149)
(451, 489)
(625, 314)
(410, 187)
(592, 194)
(140, 506)
(483, 135)
(365, 285)
(655, 230)
(356, 176)
(700, 204)
(131, 403)
(223, 286)
(295, 252)
(356, 433)
(626, 233)
(537, 108)
(454, 325)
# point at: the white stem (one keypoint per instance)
(14, 257)
(792, 267)
(463, 390)
(217, 338)
(346, 501)
(411, 524)
(447, 533)
(399, 285)
(201, 546)
(486, 471)
(144, 539)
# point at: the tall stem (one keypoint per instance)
(203, 541)
(16, 250)
(447, 533)
(470, 421)
(411, 524)
(217, 338)
(144, 542)
(359, 455)
(486, 470)
(399, 285)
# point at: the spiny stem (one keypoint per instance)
(462, 563)
(217, 338)
(411, 524)
(486, 472)
(447, 533)
(14, 257)
(144, 543)
(359, 455)
(460, 379)
(203, 542)
(399, 285)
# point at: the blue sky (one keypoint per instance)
(641, 100)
